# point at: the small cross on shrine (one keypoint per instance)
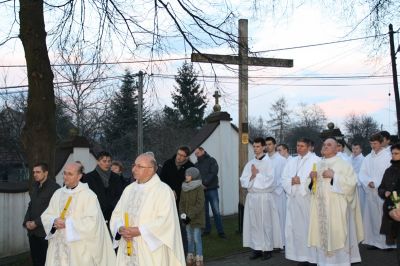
(217, 107)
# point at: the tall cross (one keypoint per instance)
(243, 60)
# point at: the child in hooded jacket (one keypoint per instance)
(191, 209)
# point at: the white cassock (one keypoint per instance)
(344, 156)
(279, 163)
(85, 239)
(261, 229)
(356, 162)
(298, 208)
(335, 215)
(151, 207)
(372, 169)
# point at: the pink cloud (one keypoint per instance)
(339, 108)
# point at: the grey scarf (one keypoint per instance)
(186, 186)
(104, 175)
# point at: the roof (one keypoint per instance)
(213, 121)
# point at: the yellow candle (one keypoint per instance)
(314, 185)
(314, 167)
(129, 243)
(64, 211)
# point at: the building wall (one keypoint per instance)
(79, 154)
(224, 147)
(13, 238)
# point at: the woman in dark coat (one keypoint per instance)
(390, 183)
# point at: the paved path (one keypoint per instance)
(369, 258)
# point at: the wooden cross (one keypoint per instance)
(243, 60)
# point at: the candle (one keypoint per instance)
(129, 243)
(64, 211)
(314, 185)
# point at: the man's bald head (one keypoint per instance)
(329, 148)
(72, 174)
(144, 168)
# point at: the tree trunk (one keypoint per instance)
(39, 132)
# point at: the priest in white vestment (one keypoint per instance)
(371, 173)
(153, 227)
(261, 229)
(278, 162)
(75, 225)
(335, 216)
(294, 181)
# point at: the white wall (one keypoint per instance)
(223, 145)
(13, 237)
(79, 154)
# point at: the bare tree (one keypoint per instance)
(136, 25)
(83, 88)
(258, 127)
(311, 116)
(280, 119)
(359, 128)
(12, 119)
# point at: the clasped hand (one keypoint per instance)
(254, 171)
(328, 173)
(59, 223)
(128, 233)
(295, 180)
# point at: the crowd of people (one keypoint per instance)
(314, 209)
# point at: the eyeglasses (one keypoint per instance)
(141, 166)
(181, 155)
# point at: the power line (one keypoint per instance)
(319, 44)
(188, 58)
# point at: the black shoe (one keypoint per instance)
(266, 255)
(222, 235)
(255, 255)
(371, 247)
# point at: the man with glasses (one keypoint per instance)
(173, 170)
(146, 219)
(173, 174)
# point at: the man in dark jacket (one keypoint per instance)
(173, 174)
(173, 170)
(107, 185)
(40, 194)
(208, 168)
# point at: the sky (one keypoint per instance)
(307, 24)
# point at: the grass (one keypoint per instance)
(216, 247)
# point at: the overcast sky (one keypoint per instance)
(308, 24)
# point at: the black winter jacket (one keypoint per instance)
(390, 182)
(174, 177)
(208, 168)
(108, 197)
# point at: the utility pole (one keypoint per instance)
(140, 114)
(394, 73)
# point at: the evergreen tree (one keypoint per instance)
(121, 128)
(189, 98)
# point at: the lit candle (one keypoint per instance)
(129, 243)
(64, 211)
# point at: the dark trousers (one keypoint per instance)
(38, 247)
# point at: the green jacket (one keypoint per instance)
(192, 203)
